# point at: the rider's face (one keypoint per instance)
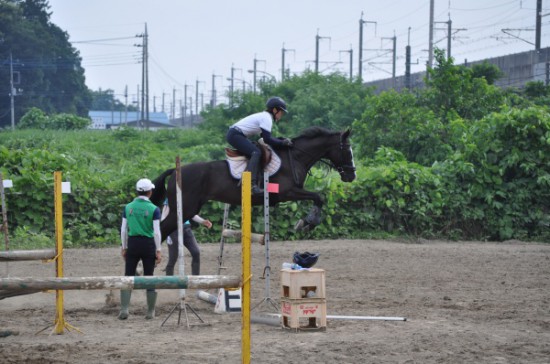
(278, 114)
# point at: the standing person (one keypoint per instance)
(190, 243)
(257, 124)
(140, 236)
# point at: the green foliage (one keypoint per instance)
(37, 119)
(512, 180)
(454, 90)
(488, 71)
(328, 101)
(535, 89)
(398, 121)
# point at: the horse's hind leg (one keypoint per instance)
(310, 221)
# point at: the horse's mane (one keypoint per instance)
(315, 131)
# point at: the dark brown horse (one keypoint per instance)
(206, 181)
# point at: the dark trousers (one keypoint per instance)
(240, 142)
(190, 243)
(144, 249)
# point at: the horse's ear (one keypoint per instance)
(346, 133)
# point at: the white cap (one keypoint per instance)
(144, 185)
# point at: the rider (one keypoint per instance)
(257, 124)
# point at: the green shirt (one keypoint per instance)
(140, 214)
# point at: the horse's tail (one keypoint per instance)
(159, 193)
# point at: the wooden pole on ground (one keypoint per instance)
(255, 238)
(43, 254)
(124, 282)
(246, 222)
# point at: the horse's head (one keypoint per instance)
(342, 158)
(317, 143)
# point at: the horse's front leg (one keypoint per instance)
(313, 218)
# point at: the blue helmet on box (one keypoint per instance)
(306, 259)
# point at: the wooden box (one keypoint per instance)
(304, 314)
(299, 284)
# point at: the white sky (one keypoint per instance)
(191, 40)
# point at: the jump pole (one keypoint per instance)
(181, 305)
(246, 226)
(19, 255)
(123, 282)
(5, 218)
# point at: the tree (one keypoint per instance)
(105, 100)
(49, 68)
(488, 71)
(453, 90)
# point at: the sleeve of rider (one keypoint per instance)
(157, 235)
(268, 139)
(124, 234)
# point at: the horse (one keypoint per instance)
(212, 181)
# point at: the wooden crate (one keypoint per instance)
(298, 284)
(304, 314)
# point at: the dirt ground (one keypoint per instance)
(466, 302)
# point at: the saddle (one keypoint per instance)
(270, 162)
(265, 150)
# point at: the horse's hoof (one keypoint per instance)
(299, 225)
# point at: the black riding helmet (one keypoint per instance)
(306, 259)
(276, 102)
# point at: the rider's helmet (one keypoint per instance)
(306, 259)
(276, 102)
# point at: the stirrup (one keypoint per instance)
(257, 190)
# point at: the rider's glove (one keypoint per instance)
(288, 143)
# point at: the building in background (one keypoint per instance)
(116, 119)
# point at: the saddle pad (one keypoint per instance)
(237, 167)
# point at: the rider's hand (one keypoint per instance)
(288, 143)
(158, 257)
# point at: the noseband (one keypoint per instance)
(343, 168)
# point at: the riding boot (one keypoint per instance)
(151, 302)
(252, 167)
(125, 295)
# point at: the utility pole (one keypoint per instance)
(174, 103)
(361, 22)
(254, 72)
(538, 25)
(317, 39)
(126, 105)
(350, 51)
(283, 62)
(213, 99)
(394, 58)
(449, 34)
(144, 119)
(197, 96)
(232, 85)
(184, 104)
(431, 36)
(12, 94)
(138, 106)
(146, 39)
(408, 61)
